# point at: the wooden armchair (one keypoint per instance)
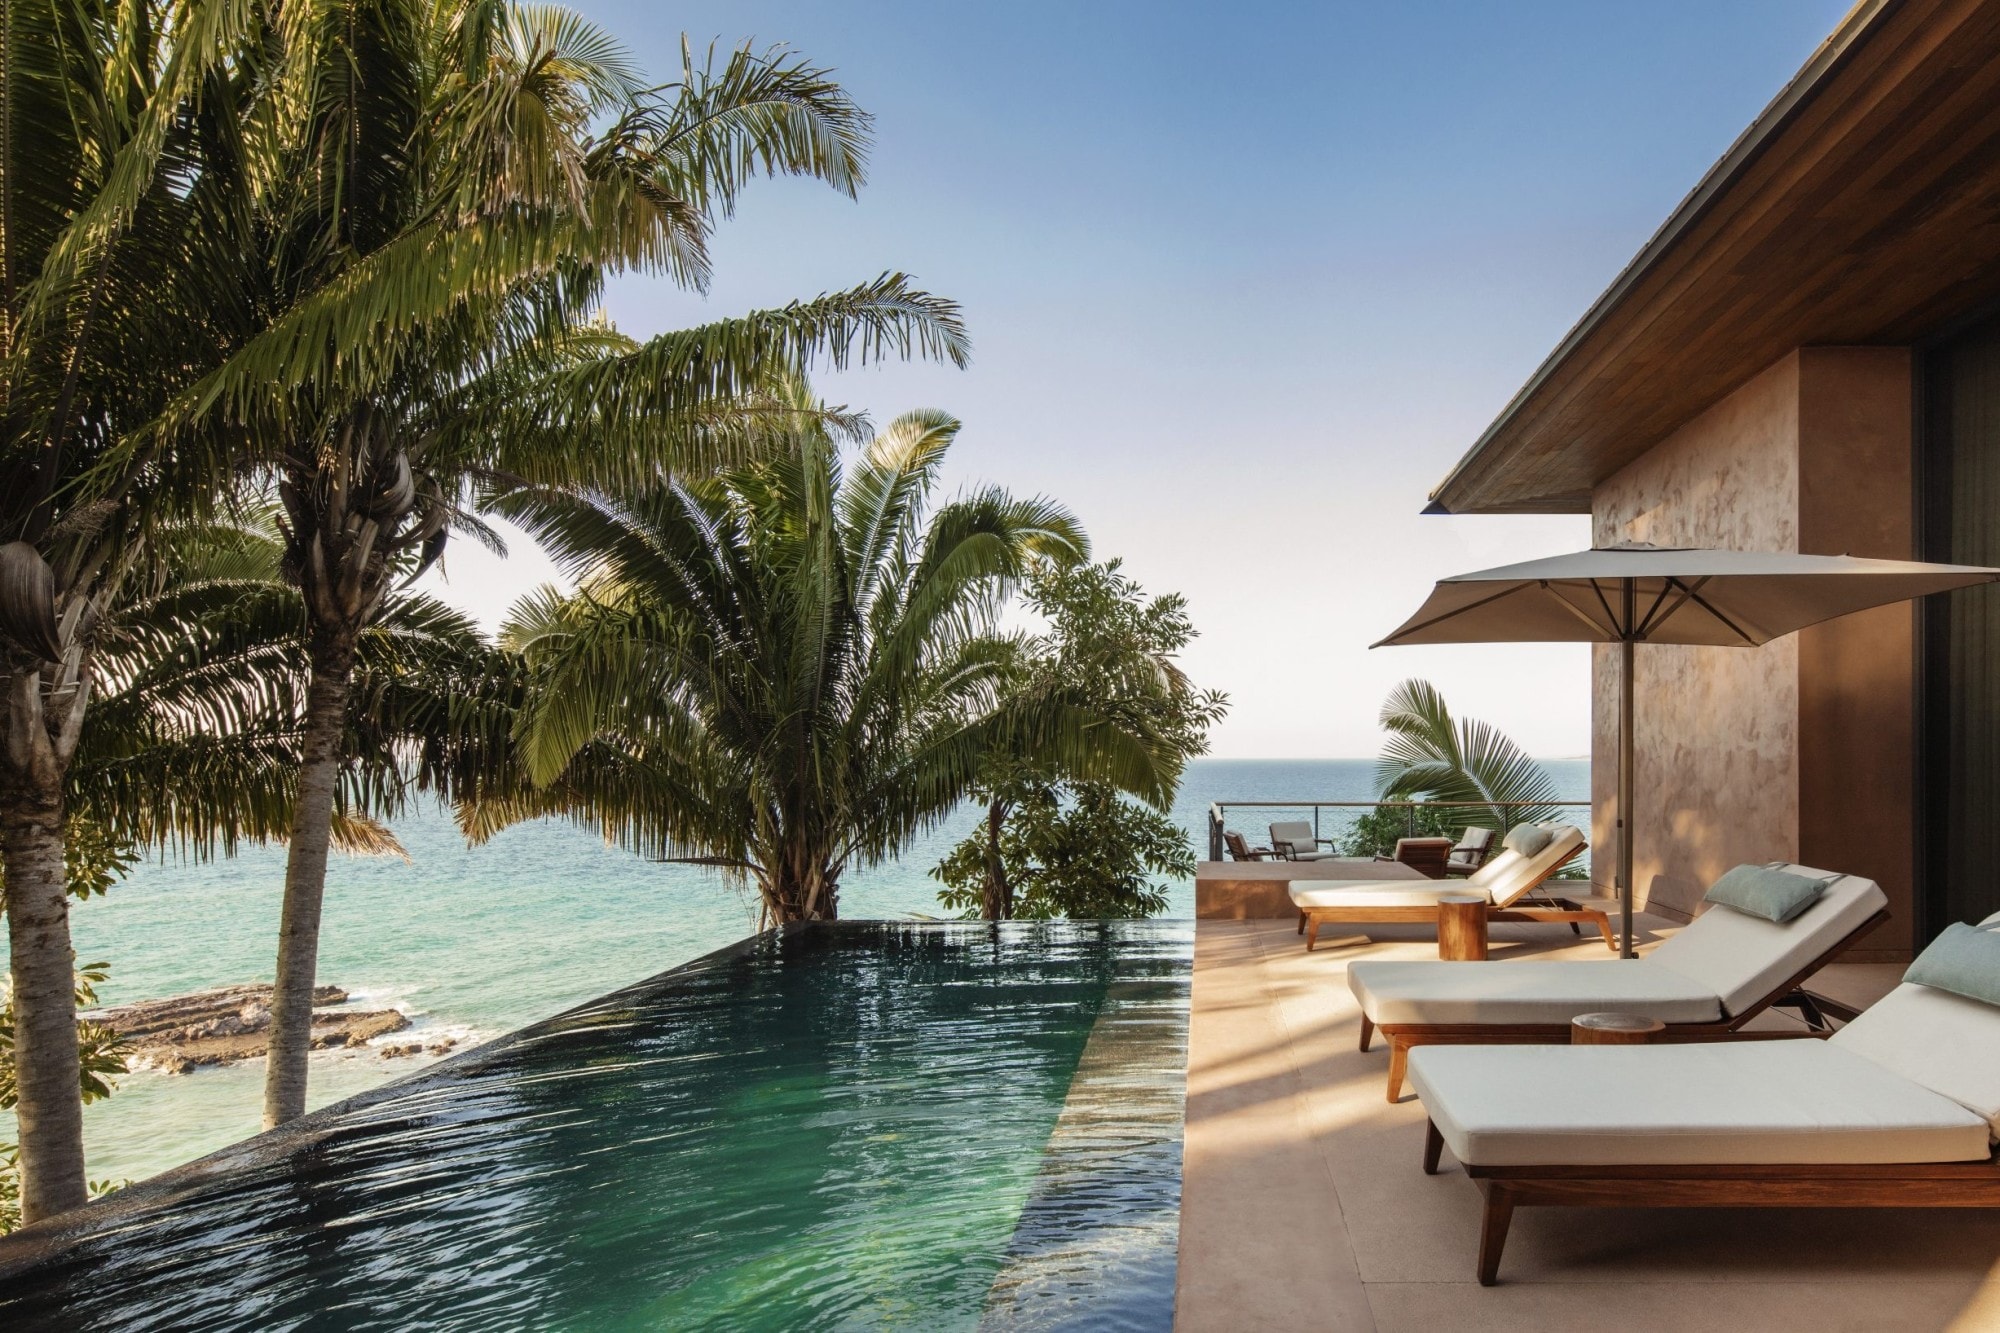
(1427, 855)
(1469, 852)
(1241, 850)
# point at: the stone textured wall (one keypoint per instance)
(1715, 773)
(1805, 748)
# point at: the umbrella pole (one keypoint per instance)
(1625, 799)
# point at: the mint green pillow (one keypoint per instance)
(1965, 960)
(1775, 895)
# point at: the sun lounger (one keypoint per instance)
(1899, 1109)
(1506, 880)
(1719, 972)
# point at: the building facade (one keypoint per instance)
(1806, 357)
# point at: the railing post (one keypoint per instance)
(1214, 831)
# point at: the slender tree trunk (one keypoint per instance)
(305, 877)
(46, 1073)
(798, 889)
(998, 897)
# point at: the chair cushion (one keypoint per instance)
(1765, 891)
(1965, 960)
(1511, 875)
(1372, 892)
(1743, 959)
(1527, 839)
(1946, 1042)
(1702, 1103)
(1526, 992)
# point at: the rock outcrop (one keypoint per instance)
(219, 1027)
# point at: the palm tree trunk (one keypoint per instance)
(305, 877)
(46, 1075)
(998, 904)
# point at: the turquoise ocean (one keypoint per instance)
(474, 942)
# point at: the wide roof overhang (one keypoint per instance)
(1862, 208)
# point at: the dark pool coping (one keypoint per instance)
(40, 1242)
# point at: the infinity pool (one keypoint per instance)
(925, 1126)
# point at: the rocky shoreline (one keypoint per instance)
(232, 1023)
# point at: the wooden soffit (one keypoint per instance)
(1863, 207)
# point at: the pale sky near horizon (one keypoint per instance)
(1243, 283)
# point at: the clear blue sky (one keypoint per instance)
(1243, 282)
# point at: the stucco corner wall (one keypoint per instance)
(1803, 749)
(1716, 744)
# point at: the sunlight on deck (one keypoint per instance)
(1304, 1205)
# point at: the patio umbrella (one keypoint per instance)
(1632, 594)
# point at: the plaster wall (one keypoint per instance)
(1803, 749)
(1715, 767)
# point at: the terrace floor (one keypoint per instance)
(1304, 1205)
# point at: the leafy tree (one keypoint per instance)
(1375, 833)
(1059, 843)
(1079, 850)
(788, 670)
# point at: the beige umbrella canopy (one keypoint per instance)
(1631, 594)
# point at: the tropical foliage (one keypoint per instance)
(1057, 842)
(1376, 832)
(786, 671)
(436, 201)
(1431, 756)
(290, 294)
(1080, 850)
(356, 248)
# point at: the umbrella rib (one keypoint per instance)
(1575, 610)
(1731, 625)
(1459, 611)
(1610, 616)
(1658, 617)
(1667, 585)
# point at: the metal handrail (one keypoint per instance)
(1217, 826)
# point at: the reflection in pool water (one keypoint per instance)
(861, 1124)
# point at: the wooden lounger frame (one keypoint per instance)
(1559, 909)
(1403, 1036)
(1870, 1185)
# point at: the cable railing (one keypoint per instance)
(1340, 822)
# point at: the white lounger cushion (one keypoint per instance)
(1372, 892)
(1702, 1103)
(1502, 880)
(1526, 992)
(1510, 874)
(1721, 964)
(1743, 958)
(1946, 1042)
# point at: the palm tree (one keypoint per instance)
(198, 680)
(786, 671)
(431, 212)
(1431, 756)
(109, 304)
(203, 675)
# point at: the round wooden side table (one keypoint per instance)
(1613, 1030)
(1461, 927)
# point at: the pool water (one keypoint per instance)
(927, 1126)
